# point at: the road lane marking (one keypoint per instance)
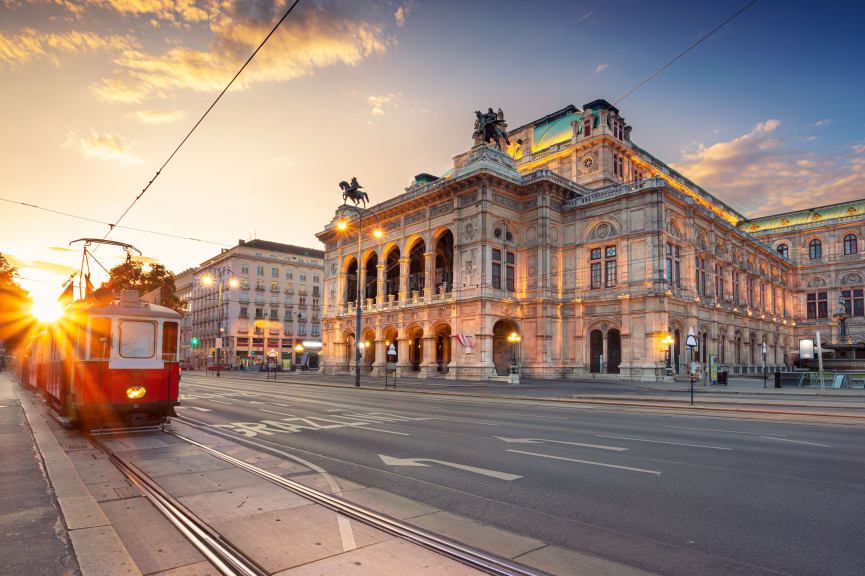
(796, 441)
(391, 461)
(361, 427)
(192, 408)
(466, 421)
(541, 440)
(662, 442)
(655, 472)
(532, 416)
(282, 405)
(345, 533)
(727, 431)
(275, 412)
(334, 409)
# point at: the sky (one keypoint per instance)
(95, 94)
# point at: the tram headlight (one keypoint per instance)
(136, 392)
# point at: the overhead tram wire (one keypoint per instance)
(200, 120)
(688, 49)
(85, 218)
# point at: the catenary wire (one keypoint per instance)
(688, 49)
(85, 218)
(201, 119)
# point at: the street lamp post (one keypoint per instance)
(668, 340)
(353, 191)
(514, 339)
(765, 374)
(208, 281)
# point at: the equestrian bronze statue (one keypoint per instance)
(353, 192)
(490, 126)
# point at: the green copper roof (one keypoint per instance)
(830, 212)
(559, 130)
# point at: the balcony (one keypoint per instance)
(259, 288)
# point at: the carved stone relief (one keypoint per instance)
(851, 279)
(816, 282)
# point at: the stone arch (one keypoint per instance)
(504, 352)
(370, 275)
(816, 282)
(603, 337)
(368, 341)
(508, 233)
(701, 242)
(673, 228)
(602, 229)
(417, 264)
(851, 279)
(349, 342)
(412, 240)
(350, 269)
(443, 248)
(390, 335)
(414, 334)
(390, 259)
(442, 333)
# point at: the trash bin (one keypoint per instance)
(722, 378)
(777, 379)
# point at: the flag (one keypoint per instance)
(68, 295)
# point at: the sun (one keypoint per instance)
(46, 310)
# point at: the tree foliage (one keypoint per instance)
(132, 276)
(14, 302)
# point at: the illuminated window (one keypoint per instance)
(815, 249)
(850, 246)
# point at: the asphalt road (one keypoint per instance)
(669, 493)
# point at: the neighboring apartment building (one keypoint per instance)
(583, 244)
(183, 288)
(275, 305)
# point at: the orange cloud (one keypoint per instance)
(103, 147)
(759, 174)
(31, 45)
(314, 37)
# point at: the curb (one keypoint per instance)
(780, 402)
(577, 401)
(716, 390)
(97, 547)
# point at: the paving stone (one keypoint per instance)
(145, 442)
(97, 471)
(476, 534)
(285, 538)
(391, 504)
(81, 512)
(393, 557)
(101, 553)
(152, 541)
(109, 490)
(212, 481)
(256, 498)
(563, 562)
(170, 466)
(197, 569)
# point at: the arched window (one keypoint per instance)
(782, 250)
(850, 246)
(815, 249)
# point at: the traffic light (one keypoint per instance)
(194, 341)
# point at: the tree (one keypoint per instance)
(132, 276)
(14, 303)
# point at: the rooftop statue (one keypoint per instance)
(490, 126)
(353, 191)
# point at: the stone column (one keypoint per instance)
(428, 367)
(379, 284)
(403, 279)
(429, 275)
(403, 364)
(380, 358)
(341, 300)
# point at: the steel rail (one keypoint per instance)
(477, 559)
(224, 556)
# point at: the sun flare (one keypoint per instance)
(46, 310)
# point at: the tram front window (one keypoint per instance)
(169, 341)
(100, 338)
(137, 339)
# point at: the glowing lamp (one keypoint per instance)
(378, 233)
(233, 283)
(298, 348)
(136, 392)
(514, 337)
(341, 225)
(207, 280)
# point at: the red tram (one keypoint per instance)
(108, 362)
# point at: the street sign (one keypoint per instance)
(218, 343)
(691, 340)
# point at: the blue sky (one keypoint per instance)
(766, 114)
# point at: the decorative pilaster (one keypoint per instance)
(429, 275)
(379, 284)
(403, 280)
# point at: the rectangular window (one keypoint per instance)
(510, 278)
(762, 296)
(274, 273)
(858, 303)
(244, 269)
(497, 275)
(315, 278)
(137, 339)
(735, 280)
(274, 286)
(596, 275)
(610, 273)
(848, 302)
(822, 305)
(301, 329)
(259, 271)
(303, 276)
(596, 253)
(169, 341)
(587, 127)
(610, 252)
(749, 284)
(100, 338)
(701, 276)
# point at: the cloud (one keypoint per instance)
(602, 67)
(160, 116)
(175, 11)
(312, 38)
(378, 103)
(61, 249)
(819, 123)
(54, 267)
(760, 173)
(103, 147)
(585, 16)
(29, 45)
(401, 13)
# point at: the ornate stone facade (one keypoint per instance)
(577, 240)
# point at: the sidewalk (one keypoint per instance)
(35, 539)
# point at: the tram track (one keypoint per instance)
(231, 561)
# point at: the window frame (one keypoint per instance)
(850, 245)
(120, 338)
(815, 249)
